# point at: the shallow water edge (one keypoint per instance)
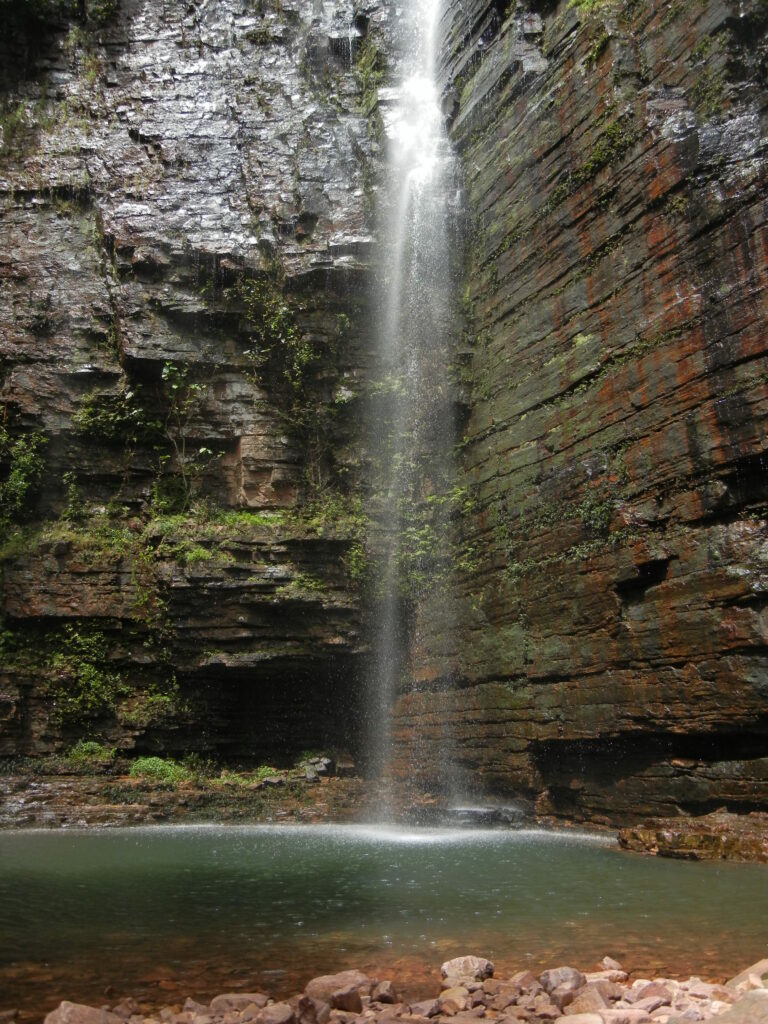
(161, 913)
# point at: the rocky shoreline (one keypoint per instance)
(68, 800)
(468, 992)
(717, 836)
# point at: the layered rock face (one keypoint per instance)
(186, 334)
(185, 195)
(612, 660)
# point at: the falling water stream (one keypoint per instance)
(413, 429)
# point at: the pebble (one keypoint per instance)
(560, 995)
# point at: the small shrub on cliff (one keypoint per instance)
(87, 753)
(120, 418)
(160, 770)
(146, 709)
(84, 687)
(182, 397)
(22, 459)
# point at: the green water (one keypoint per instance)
(195, 910)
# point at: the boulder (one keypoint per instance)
(589, 1000)
(504, 999)
(277, 1013)
(747, 978)
(347, 998)
(752, 1008)
(525, 980)
(425, 1008)
(609, 964)
(312, 1011)
(129, 1008)
(617, 977)
(653, 990)
(453, 1001)
(565, 978)
(77, 1013)
(322, 988)
(384, 992)
(625, 1015)
(473, 968)
(192, 1006)
(544, 1008)
(237, 1001)
(581, 1018)
(469, 1015)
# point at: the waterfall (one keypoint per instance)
(412, 428)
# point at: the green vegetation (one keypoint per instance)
(596, 514)
(597, 49)
(194, 554)
(587, 7)
(182, 399)
(12, 121)
(429, 545)
(90, 754)
(232, 778)
(160, 769)
(371, 72)
(118, 419)
(81, 687)
(145, 709)
(21, 457)
(337, 515)
(301, 585)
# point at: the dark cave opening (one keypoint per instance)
(250, 718)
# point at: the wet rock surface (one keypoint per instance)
(563, 994)
(612, 645)
(29, 800)
(718, 836)
(185, 204)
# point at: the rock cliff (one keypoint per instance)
(186, 341)
(186, 202)
(612, 659)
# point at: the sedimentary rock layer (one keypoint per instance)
(185, 197)
(612, 660)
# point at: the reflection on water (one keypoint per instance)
(165, 911)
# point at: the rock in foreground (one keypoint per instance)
(563, 995)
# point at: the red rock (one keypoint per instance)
(347, 998)
(654, 990)
(589, 1000)
(525, 980)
